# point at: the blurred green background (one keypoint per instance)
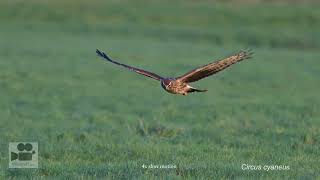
(94, 120)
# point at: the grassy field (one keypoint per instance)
(94, 120)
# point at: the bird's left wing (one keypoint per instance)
(137, 70)
(212, 68)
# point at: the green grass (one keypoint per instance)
(95, 120)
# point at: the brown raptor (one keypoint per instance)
(180, 85)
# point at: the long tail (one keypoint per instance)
(192, 89)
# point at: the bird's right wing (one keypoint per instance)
(215, 67)
(139, 71)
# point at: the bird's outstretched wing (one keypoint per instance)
(212, 68)
(139, 71)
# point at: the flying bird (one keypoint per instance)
(180, 85)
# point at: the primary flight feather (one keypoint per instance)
(179, 85)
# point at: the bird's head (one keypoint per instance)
(166, 82)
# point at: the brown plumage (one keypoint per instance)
(179, 85)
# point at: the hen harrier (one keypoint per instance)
(179, 85)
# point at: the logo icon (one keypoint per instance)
(23, 155)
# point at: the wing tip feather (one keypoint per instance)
(246, 53)
(102, 54)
